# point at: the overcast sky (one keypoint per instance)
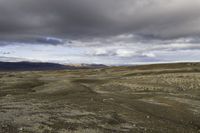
(100, 31)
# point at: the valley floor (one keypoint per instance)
(152, 99)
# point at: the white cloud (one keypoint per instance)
(152, 55)
(125, 53)
(123, 49)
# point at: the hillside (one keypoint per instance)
(30, 66)
(149, 98)
(41, 66)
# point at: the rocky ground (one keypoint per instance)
(155, 98)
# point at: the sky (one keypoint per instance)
(112, 32)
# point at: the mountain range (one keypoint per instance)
(40, 66)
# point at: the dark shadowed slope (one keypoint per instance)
(31, 66)
(39, 66)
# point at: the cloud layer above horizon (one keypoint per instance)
(100, 31)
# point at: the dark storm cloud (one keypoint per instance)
(164, 19)
(50, 40)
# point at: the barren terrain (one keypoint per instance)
(152, 98)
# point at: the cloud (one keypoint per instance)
(164, 19)
(95, 52)
(49, 40)
(14, 59)
(4, 53)
(100, 31)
